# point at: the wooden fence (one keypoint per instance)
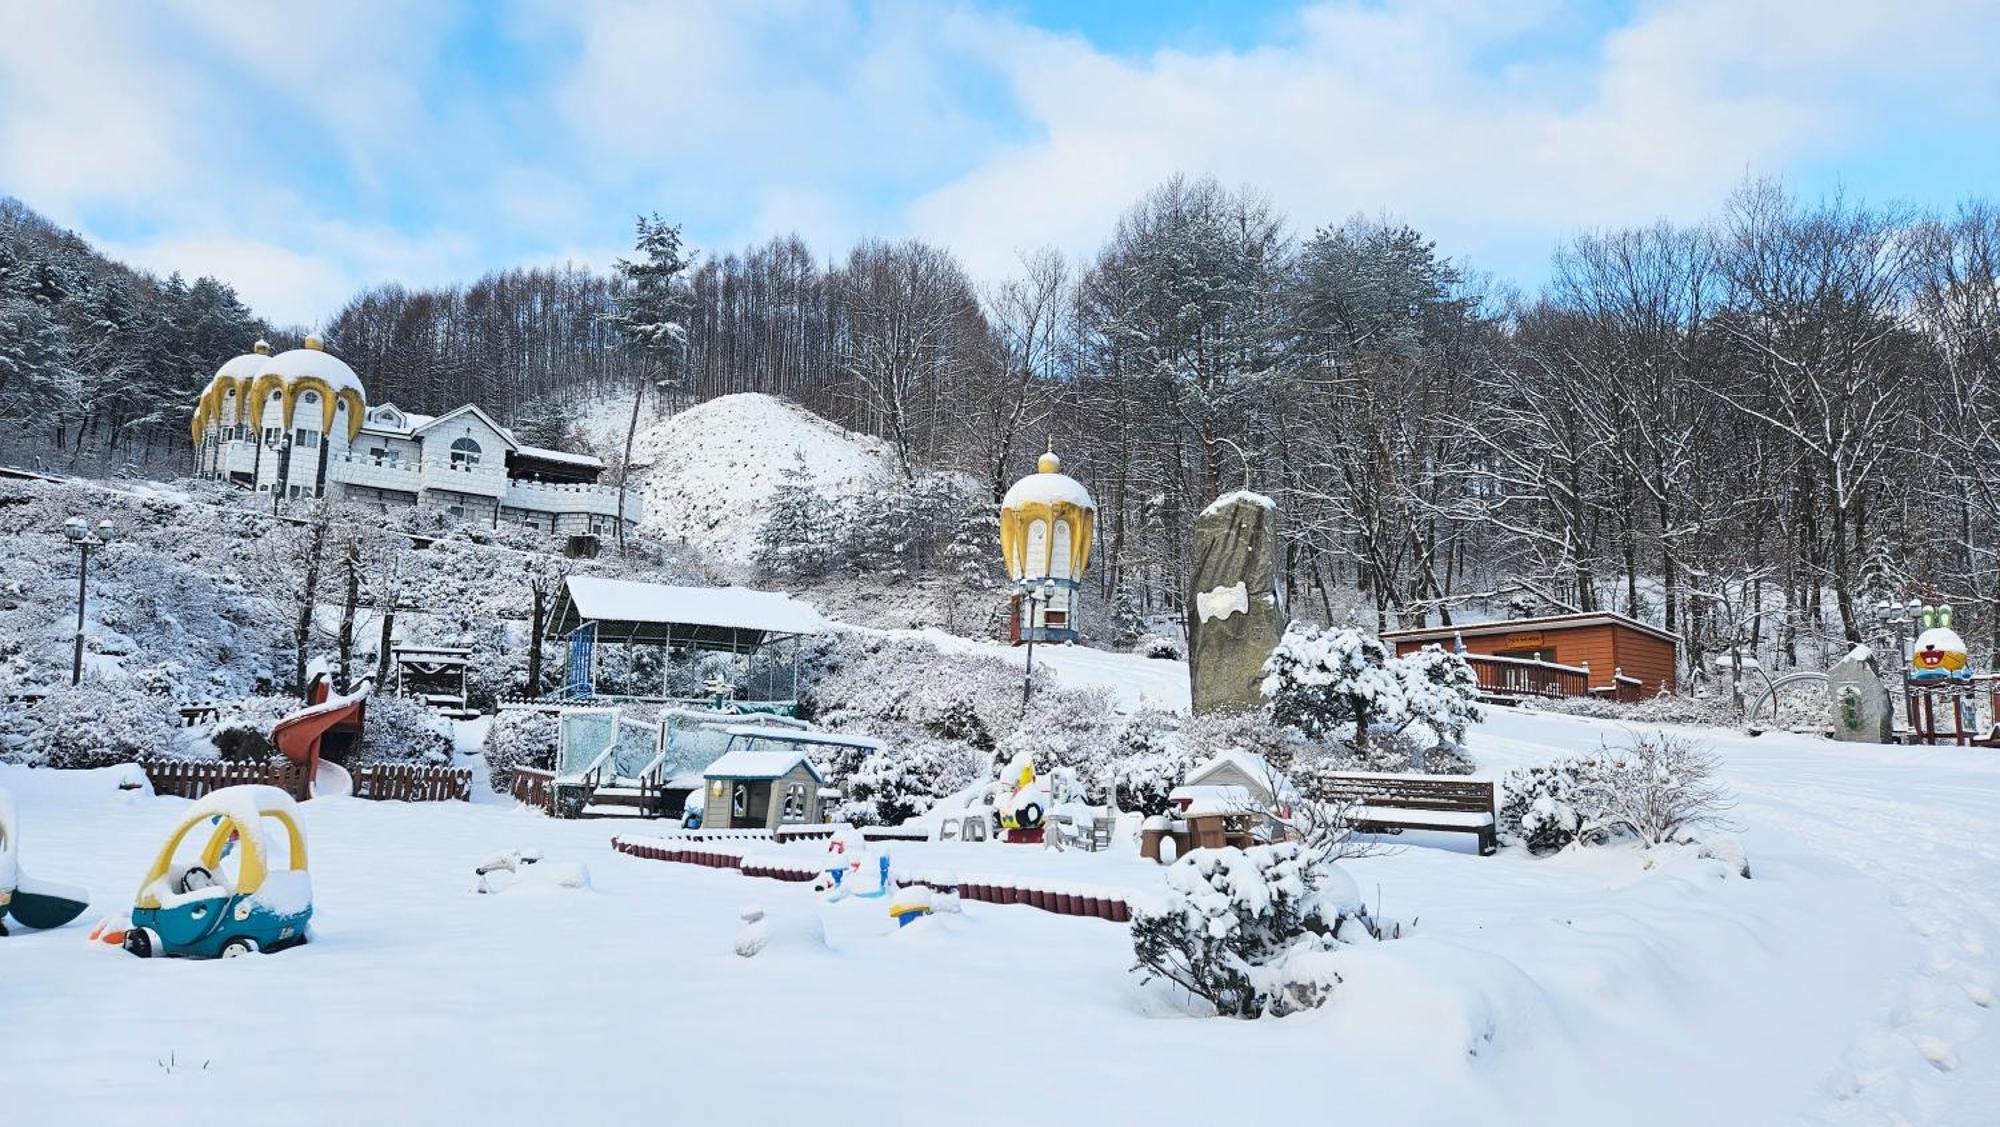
(193, 778)
(186, 778)
(533, 787)
(412, 782)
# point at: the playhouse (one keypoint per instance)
(764, 781)
(1565, 655)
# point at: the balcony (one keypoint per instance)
(477, 480)
(236, 456)
(375, 473)
(570, 497)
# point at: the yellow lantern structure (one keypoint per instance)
(1046, 523)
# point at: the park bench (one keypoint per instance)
(1387, 803)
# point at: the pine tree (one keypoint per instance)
(796, 538)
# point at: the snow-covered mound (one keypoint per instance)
(711, 470)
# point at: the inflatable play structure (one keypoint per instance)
(322, 734)
(238, 896)
(29, 902)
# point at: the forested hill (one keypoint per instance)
(99, 362)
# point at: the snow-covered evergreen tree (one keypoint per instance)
(1327, 681)
(798, 537)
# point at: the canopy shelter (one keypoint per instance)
(592, 612)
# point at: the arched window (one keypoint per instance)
(464, 453)
(309, 398)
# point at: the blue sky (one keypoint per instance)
(302, 151)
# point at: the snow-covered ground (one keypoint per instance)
(1848, 982)
(1131, 681)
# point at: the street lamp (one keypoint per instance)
(79, 532)
(1036, 596)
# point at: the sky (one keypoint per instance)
(302, 152)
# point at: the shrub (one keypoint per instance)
(399, 730)
(1656, 788)
(1160, 647)
(87, 726)
(242, 733)
(901, 782)
(1148, 760)
(1322, 681)
(1244, 928)
(519, 737)
(1440, 693)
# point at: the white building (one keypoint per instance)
(299, 424)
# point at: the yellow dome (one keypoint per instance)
(1046, 523)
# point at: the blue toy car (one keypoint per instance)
(196, 911)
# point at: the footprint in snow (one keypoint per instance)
(1941, 1055)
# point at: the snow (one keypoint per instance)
(802, 735)
(626, 600)
(711, 470)
(1850, 981)
(745, 764)
(1049, 489)
(564, 456)
(301, 363)
(1131, 680)
(1241, 496)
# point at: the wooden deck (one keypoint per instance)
(1507, 679)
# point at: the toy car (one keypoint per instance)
(199, 911)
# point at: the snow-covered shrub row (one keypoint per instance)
(1713, 711)
(936, 524)
(88, 726)
(1342, 686)
(905, 779)
(519, 737)
(399, 730)
(1248, 930)
(1655, 789)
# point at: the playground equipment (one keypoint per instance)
(1026, 802)
(200, 910)
(329, 727)
(32, 903)
(910, 904)
(1939, 653)
(1938, 678)
(852, 868)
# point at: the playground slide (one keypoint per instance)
(331, 779)
(299, 736)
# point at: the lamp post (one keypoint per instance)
(1035, 596)
(78, 532)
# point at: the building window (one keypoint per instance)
(531, 522)
(380, 454)
(795, 802)
(464, 453)
(456, 510)
(273, 435)
(309, 398)
(308, 439)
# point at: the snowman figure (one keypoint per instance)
(1939, 653)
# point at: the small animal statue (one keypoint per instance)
(1939, 653)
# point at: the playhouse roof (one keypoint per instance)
(802, 736)
(760, 765)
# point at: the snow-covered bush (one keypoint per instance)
(399, 730)
(1538, 804)
(519, 737)
(905, 780)
(1326, 682)
(1440, 693)
(242, 731)
(1247, 929)
(91, 726)
(1160, 647)
(1148, 760)
(1655, 789)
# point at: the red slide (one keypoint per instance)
(300, 735)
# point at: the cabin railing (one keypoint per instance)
(1512, 677)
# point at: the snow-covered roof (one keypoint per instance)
(1048, 488)
(760, 765)
(313, 361)
(1513, 625)
(801, 736)
(1242, 495)
(1248, 762)
(241, 367)
(563, 456)
(591, 597)
(417, 427)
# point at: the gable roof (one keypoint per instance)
(506, 435)
(760, 765)
(1514, 625)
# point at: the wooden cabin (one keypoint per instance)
(761, 790)
(1567, 655)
